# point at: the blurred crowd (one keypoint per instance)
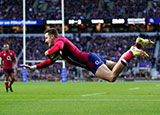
(80, 9)
(15, 43)
(110, 48)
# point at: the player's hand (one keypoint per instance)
(46, 53)
(27, 66)
(0, 69)
(15, 67)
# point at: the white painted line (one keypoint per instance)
(136, 88)
(36, 95)
(158, 85)
(90, 100)
(93, 94)
(54, 95)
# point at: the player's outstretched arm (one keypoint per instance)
(43, 64)
(28, 67)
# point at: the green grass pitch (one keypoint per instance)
(81, 98)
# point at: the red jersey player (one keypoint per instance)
(105, 69)
(7, 57)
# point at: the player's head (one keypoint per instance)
(50, 35)
(6, 47)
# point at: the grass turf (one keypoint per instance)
(81, 98)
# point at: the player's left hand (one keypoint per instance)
(46, 53)
(27, 66)
(0, 69)
(16, 67)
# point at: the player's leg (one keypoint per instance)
(12, 80)
(105, 73)
(140, 42)
(110, 64)
(6, 76)
(132, 52)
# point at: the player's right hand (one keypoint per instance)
(46, 53)
(0, 69)
(27, 66)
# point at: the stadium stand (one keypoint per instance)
(15, 43)
(51, 9)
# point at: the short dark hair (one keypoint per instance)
(5, 44)
(52, 31)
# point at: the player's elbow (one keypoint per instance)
(61, 46)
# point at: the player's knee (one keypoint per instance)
(112, 78)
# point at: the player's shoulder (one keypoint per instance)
(61, 38)
(11, 51)
(2, 52)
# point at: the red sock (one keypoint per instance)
(138, 45)
(127, 58)
(6, 84)
(11, 82)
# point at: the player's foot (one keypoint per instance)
(143, 42)
(6, 90)
(10, 87)
(138, 52)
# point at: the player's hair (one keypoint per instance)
(52, 31)
(6, 44)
